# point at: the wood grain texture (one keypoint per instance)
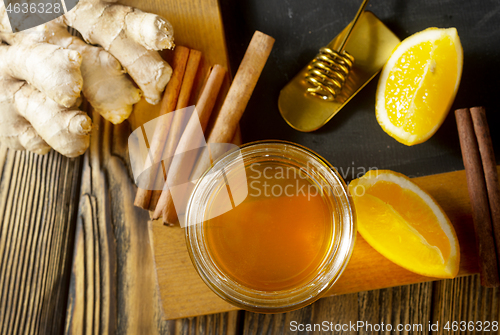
(179, 284)
(367, 269)
(114, 287)
(410, 304)
(464, 299)
(36, 205)
(460, 299)
(222, 323)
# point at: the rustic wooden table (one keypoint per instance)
(50, 206)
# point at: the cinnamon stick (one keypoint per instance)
(237, 137)
(479, 199)
(189, 77)
(176, 127)
(242, 88)
(235, 103)
(490, 170)
(168, 103)
(203, 110)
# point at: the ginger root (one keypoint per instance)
(44, 69)
(36, 113)
(130, 35)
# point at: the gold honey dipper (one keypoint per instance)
(329, 70)
(337, 73)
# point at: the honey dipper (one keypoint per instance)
(337, 73)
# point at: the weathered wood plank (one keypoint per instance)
(464, 299)
(112, 254)
(36, 210)
(460, 299)
(409, 304)
(276, 323)
(222, 323)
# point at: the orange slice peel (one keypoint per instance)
(405, 224)
(418, 85)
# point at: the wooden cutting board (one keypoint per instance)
(184, 294)
(198, 25)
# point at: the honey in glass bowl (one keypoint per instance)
(277, 238)
(288, 238)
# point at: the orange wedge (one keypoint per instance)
(418, 85)
(402, 222)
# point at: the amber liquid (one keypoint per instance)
(272, 241)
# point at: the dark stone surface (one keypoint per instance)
(353, 140)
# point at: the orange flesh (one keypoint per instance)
(419, 215)
(271, 242)
(420, 88)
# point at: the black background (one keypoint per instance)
(353, 140)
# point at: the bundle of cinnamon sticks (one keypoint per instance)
(484, 192)
(169, 139)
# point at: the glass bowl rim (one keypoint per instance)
(310, 292)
